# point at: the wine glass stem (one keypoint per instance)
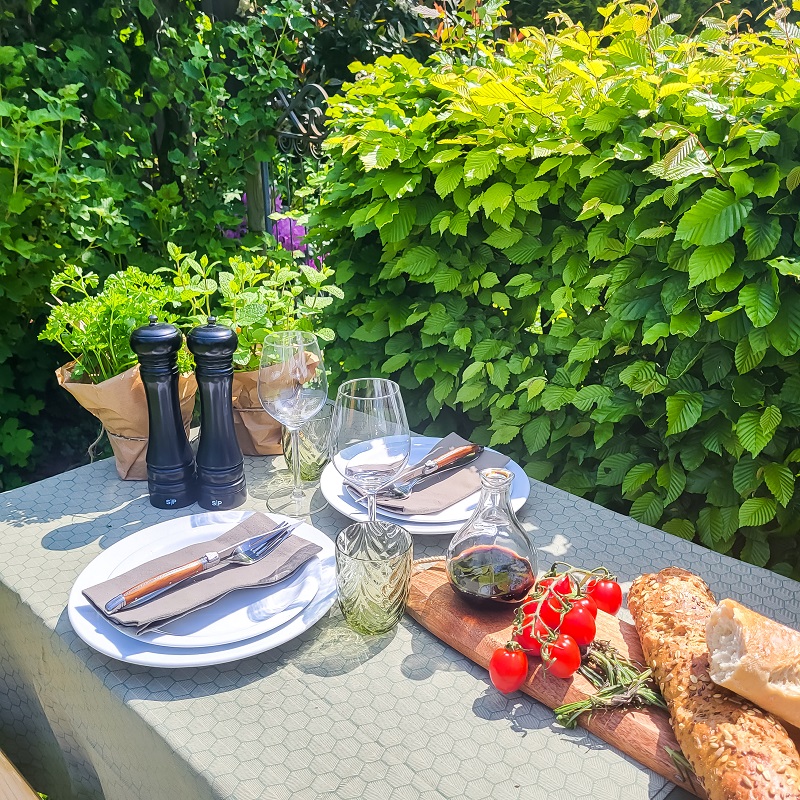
(297, 491)
(372, 510)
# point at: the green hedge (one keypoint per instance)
(586, 245)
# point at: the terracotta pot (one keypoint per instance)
(257, 432)
(121, 405)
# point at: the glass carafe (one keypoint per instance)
(492, 559)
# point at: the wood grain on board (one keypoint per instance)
(643, 734)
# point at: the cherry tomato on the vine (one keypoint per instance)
(584, 602)
(562, 657)
(606, 593)
(561, 585)
(508, 669)
(531, 636)
(580, 625)
(549, 610)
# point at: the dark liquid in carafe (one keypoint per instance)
(488, 574)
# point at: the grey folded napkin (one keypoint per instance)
(439, 492)
(207, 587)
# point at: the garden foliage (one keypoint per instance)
(586, 243)
(124, 124)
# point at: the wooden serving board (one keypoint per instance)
(643, 734)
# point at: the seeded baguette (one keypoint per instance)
(737, 751)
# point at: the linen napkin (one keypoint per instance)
(207, 587)
(439, 492)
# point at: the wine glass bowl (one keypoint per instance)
(292, 388)
(370, 439)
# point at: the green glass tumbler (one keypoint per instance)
(313, 437)
(373, 575)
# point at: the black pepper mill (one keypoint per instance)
(170, 461)
(220, 466)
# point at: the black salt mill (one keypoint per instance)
(220, 466)
(170, 461)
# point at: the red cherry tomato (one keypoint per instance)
(508, 669)
(549, 610)
(561, 585)
(562, 657)
(531, 636)
(580, 625)
(585, 602)
(607, 594)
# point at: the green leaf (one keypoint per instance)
(713, 219)
(448, 179)
(497, 197)
(757, 511)
(536, 433)
(755, 431)
(756, 551)
(504, 434)
(470, 391)
(648, 508)
(637, 477)
(709, 262)
(527, 196)
(395, 363)
(793, 179)
(784, 330)
(462, 337)
(613, 469)
(589, 395)
(585, 350)
(746, 358)
(760, 302)
(147, 8)
(479, 165)
(761, 235)
(672, 478)
(747, 476)
(683, 411)
(780, 481)
(502, 238)
(554, 397)
(682, 528)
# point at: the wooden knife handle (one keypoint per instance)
(457, 454)
(164, 580)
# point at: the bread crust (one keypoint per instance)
(737, 751)
(771, 653)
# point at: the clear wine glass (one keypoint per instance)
(292, 387)
(370, 439)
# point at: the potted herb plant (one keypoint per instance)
(94, 328)
(256, 293)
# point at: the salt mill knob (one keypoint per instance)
(220, 465)
(170, 461)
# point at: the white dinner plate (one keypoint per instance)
(109, 639)
(447, 521)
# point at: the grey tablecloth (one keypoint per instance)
(328, 715)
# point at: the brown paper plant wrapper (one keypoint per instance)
(121, 405)
(257, 433)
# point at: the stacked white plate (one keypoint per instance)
(241, 624)
(447, 521)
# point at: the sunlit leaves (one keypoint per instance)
(683, 411)
(707, 262)
(715, 217)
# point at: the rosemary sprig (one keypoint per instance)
(619, 681)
